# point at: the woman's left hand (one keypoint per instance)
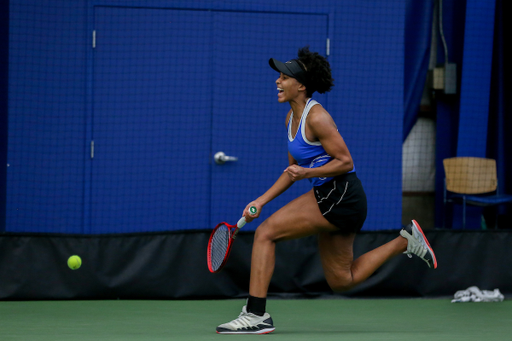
(295, 172)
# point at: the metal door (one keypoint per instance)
(248, 122)
(151, 120)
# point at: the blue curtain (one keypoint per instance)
(499, 140)
(4, 59)
(500, 122)
(417, 36)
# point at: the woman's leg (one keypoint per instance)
(342, 272)
(299, 218)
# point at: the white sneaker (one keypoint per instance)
(418, 244)
(248, 323)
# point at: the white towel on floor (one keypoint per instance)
(473, 294)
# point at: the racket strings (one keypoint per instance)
(219, 246)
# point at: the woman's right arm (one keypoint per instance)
(279, 187)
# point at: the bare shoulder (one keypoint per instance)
(318, 116)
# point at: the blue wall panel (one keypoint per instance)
(45, 177)
(367, 101)
(151, 119)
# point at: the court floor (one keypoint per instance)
(300, 319)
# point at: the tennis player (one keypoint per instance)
(334, 209)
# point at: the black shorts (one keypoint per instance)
(342, 201)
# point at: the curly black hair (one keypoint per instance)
(318, 71)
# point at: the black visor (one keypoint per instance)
(291, 68)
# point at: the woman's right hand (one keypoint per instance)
(247, 213)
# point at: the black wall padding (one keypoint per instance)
(173, 266)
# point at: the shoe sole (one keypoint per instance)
(259, 332)
(428, 244)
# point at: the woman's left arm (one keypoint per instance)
(321, 127)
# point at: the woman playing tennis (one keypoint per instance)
(334, 209)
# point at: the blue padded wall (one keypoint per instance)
(45, 177)
(166, 87)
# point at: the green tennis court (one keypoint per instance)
(319, 319)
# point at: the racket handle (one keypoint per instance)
(242, 221)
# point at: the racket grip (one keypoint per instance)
(241, 223)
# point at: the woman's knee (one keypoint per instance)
(264, 233)
(341, 283)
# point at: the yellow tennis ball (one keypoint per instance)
(74, 262)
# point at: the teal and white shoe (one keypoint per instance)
(418, 244)
(248, 323)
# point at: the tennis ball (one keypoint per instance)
(74, 262)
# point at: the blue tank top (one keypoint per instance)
(308, 154)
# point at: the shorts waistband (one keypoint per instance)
(343, 177)
(346, 176)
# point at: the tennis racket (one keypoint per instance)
(221, 241)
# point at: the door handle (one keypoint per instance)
(221, 158)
